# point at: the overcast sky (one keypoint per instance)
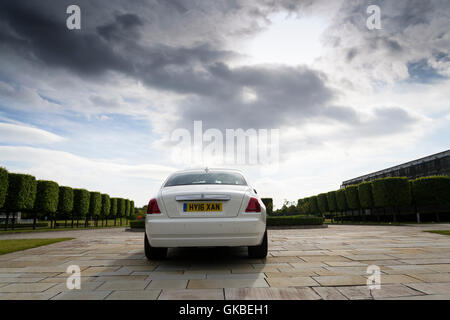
(94, 108)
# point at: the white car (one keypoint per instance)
(205, 208)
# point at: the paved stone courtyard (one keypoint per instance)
(303, 264)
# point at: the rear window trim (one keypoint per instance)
(208, 184)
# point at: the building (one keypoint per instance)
(434, 165)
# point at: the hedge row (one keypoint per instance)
(391, 192)
(21, 192)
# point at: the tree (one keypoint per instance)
(313, 205)
(47, 198)
(268, 202)
(81, 198)
(21, 194)
(113, 211)
(3, 185)
(127, 208)
(341, 200)
(351, 194)
(391, 192)
(120, 209)
(65, 203)
(95, 206)
(106, 208)
(322, 203)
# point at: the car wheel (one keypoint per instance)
(259, 252)
(153, 253)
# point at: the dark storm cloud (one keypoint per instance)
(44, 37)
(124, 26)
(112, 39)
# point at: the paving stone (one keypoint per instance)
(344, 280)
(175, 276)
(385, 291)
(19, 280)
(122, 285)
(134, 295)
(84, 286)
(26, 287)
(345, 264)
(250, 276)
(324, 258)
(290, 274)
(329, 293)
(27, 296)
(195, 294)
(433, 277)
(226, 283)
(429, 288)
(397, 278)
(291, 282)
(119, 278)
(270, 294)
(82, 295)
(355, 292)
(168, 284)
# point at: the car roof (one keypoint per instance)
(207, 169)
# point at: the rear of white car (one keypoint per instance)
(206, 208)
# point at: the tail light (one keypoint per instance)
(153, 207)
(253, 206)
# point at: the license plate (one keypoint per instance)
(202, 207)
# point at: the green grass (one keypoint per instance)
(443, 232)
(8, 246)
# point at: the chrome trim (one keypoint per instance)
(200, 197)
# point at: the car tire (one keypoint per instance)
(259, 252)
(153, 253)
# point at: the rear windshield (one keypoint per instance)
(206, 178)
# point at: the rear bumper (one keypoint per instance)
(205, 232)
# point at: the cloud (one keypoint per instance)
(107, 176)
(21, 134)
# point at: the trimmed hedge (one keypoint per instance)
(120, 207)
(127, 207)
(431, 191)
(341, 200)
(95, 203)
(113, 209)
(138, 224)
(47, 197)
(106, 206)
(351, 194)
(391, 192)
(322, 203)
(268, 202)
(21, 194)
(298, 220)
(3, 185)
(131, 208)
(65, 203)
(365, 195)
(81, 199)
(332, 204)
(313, 206)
